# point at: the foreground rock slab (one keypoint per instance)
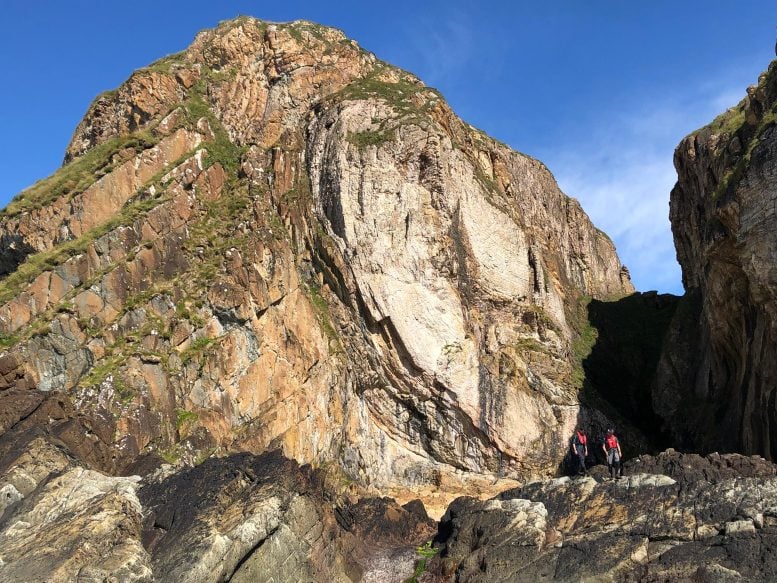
(645, 527)
(242, 518)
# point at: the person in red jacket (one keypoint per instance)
(612, 449)
(580, 449)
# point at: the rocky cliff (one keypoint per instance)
(274, 240)
(716, 386)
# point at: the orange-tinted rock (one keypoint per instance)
(359, 277)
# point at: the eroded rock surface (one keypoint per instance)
(716, 387)
(240, 518)
(274, 240)
(645, 527)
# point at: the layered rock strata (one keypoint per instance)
(699, 525)
(717, 379)
(239, 518)
(275, 240)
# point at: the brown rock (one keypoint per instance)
(292, 244)
(716, 387)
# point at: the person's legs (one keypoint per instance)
(611, 463)
(580, 462)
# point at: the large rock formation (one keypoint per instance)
(717, 382)
(275, 240)
(276, 275)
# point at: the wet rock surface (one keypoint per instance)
(644, 527)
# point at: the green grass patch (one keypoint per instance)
(184, 417)
(195, 349)
(222, 149)
(424, 552)
(733, 175)
(171, 455)
(167, 64)
(371, 138)
(583, 341)
(8, 340)
(729, 121)
(100, 371)
(536, 316)
(321, 309)
(78, 175)
(529, 345)
(123, 392)
(407, 96)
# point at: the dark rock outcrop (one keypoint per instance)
(244, 517)
(643, 528)
(717, 384)
(239, 518)
(686, 468)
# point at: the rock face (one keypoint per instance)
(645, 527)
(716, 383)
(239, 518)
(275, 240)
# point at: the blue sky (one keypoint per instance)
(600, 90)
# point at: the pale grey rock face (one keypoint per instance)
(446, 265)
(80, 525)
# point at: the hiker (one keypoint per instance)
(612, 450)
(580, 449)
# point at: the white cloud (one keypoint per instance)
(626, 194)
(623, 175)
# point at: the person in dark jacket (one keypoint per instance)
(612, 450)
(580, 450)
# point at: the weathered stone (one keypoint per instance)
(657, 531)
(716, 384)
(247, 518)
(80, 525)
(371, 282)
(687, 467)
